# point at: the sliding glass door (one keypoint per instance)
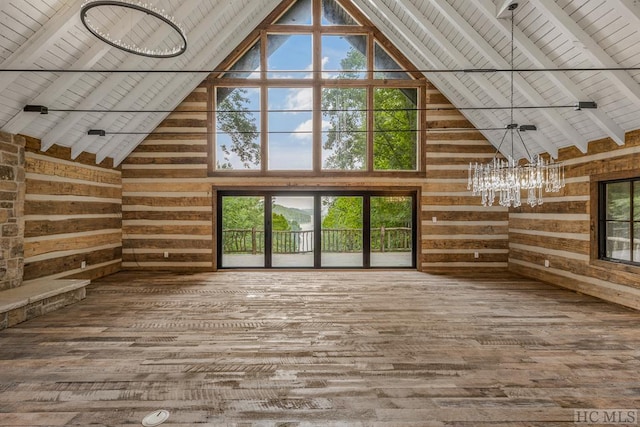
(242, 233)
(321, 229)
(342, 231)
(292, 234)
(392, 231)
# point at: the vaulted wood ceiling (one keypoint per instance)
(433, 34)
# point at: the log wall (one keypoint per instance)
(168, 196)
(563, 230)
(458, 233)
(72, 215)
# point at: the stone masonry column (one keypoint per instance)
(12, 195)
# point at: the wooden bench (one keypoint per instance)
(37, 297)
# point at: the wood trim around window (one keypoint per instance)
(594, 221)
(366, 27)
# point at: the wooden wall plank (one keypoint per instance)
(76, 225)
(71, 207)
(35, 247)
(34, 270)
(73, 214)
(536, 234)
(38, 186)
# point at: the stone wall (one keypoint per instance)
(12, 194)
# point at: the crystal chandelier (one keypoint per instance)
(506, 179)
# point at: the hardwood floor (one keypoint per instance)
(320, 348)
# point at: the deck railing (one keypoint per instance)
(341, 240)
(620, 247)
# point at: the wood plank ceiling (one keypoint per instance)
(433, 34)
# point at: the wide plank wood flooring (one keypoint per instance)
(338, 348)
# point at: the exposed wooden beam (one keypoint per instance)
(112, 81)
(496, 59)
(38, 43)
(561, 80)
(598, 56)
(450, 86)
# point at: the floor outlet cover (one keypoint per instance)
(155, 418)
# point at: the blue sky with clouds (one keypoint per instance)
(291, 151)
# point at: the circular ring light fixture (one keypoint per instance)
(130, 47)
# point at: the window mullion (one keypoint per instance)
(316, 42)
(264, 104)
(370, 125)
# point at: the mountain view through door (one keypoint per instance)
(315, 230)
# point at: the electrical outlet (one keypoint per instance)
(434, 218)
(476, 255)
(83, 265)
(166, 254)
(546, 263)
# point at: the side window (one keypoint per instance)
(619, 222)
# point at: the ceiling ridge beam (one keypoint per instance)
(206, 58)
(561, 80)
(448, 84)
(113, 80)
(40, 41)
(480, 80)
(521, 84)
(625, 83)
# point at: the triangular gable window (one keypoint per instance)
(313, 98)
(385, 66)
(298, 14)
(334, 14)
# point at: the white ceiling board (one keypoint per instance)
(498, 96)
(561, 81)
(599, 57)
(112, 81)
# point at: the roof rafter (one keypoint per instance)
(561, 80)
(482, 81)
(496, 59)
(625, 83)
(106, 87)
(444, 83)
